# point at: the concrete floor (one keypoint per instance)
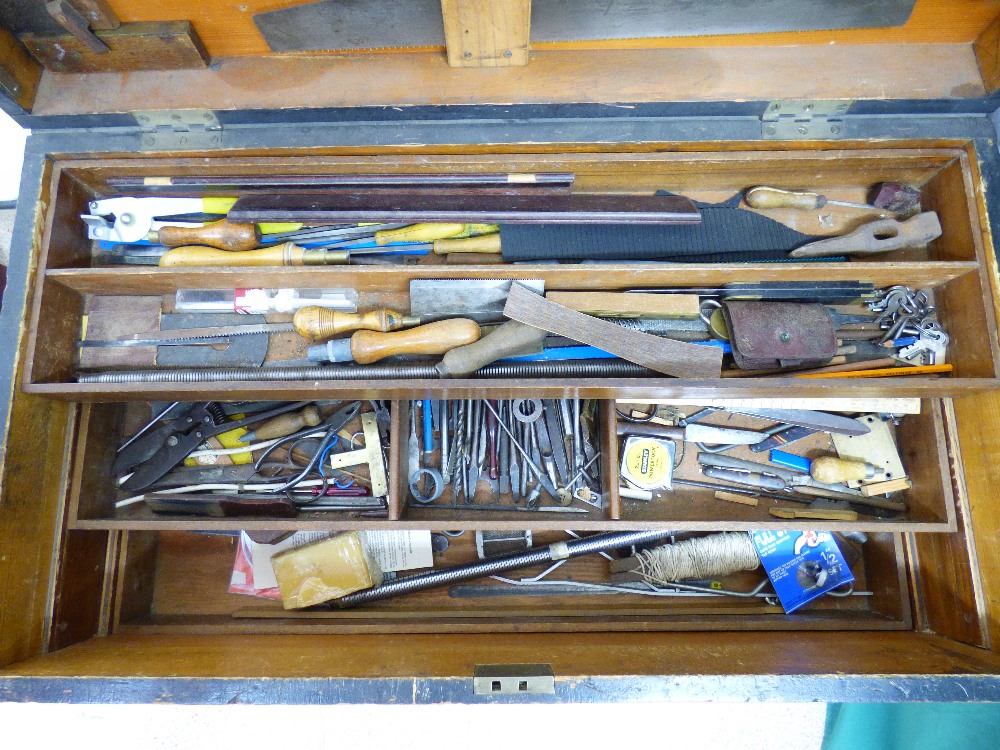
(719, 726)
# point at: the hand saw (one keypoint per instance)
(384, 24)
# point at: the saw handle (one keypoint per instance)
(219, 234)
(432, 338)
(317, 323)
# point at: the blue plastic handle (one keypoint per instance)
(428, 427)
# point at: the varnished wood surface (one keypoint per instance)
(945, 567)
(16, 60)
(376, 280)
(977, 418)
(190, 577)
(875, 71)
(987, 49)
(228, 29)
(569, 654)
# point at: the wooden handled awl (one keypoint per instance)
(283, 424)
(880, 236)
(365, 347)
(288, 254)
(222, 235)
(317, 323)
(768, 197)
(833, 470)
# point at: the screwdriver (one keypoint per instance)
(768, 197)
(429, 232)
(365, 347)
(288, 254)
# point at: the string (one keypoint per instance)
(704, 557)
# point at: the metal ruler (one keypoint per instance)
(850, 405)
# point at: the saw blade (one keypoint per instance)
(416, 24)
(482, 300)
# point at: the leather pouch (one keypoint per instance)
(769, 335)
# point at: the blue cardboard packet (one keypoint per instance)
(802, 565)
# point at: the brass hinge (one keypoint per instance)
(513, 679)
(182, 129)
(805, 119)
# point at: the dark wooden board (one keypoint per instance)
(166, 45)
(468, 207)
(663, 355)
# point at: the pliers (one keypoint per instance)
(135, 218)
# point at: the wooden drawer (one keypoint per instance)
(95, 598)
(955, 267)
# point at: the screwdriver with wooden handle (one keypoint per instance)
(288, 254)
(365, 347)
(768, 197)
(283, 425)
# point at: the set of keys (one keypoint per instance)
(907, 314)
(531, 454)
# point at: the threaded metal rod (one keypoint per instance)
(558, 369)
(502, 564)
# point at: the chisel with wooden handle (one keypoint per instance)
(288, 254)
(365, 347)
(875, 237)
(222, 235)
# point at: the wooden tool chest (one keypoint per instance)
(106, 603)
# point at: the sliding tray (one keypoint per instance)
(924, 440)
(956, 268)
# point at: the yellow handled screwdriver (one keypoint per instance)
(288, 254)
(365, 347)
(768, 197)
(428, 232)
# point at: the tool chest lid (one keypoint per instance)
(212, 66)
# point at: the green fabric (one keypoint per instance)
(912, 726)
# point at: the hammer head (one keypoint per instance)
(903, 200)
